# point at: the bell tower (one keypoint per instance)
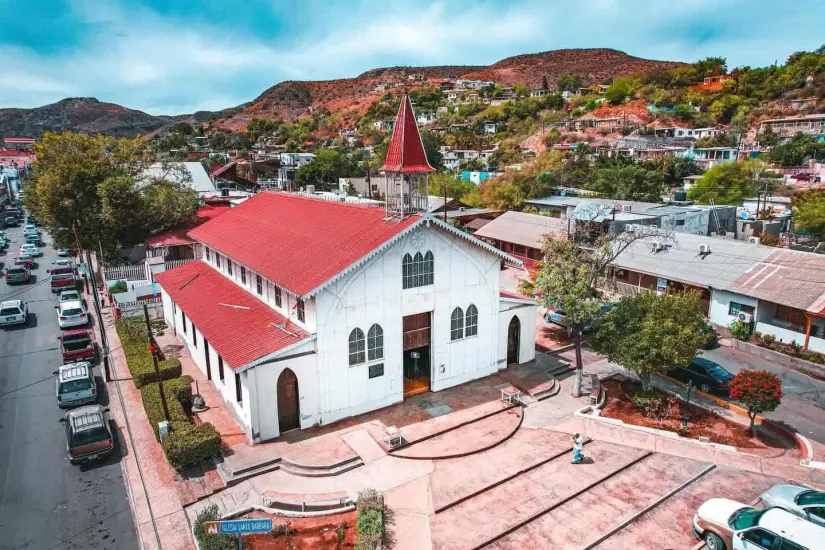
(406, 167)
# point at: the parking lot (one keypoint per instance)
(46, 503)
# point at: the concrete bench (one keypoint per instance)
(340, 498)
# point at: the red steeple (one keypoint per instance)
(406, 151)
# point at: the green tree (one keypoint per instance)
(544, 85)
(432, 143)
(759, 390)
(621, 89)
(570, 83)
(568, 276)
(101, 190)
(631, 182)
(650, 333)
(472, 165)
(325, 169)
(728, 183)
(454, 187)
(798, 150)
(809, 211)
(768, 138)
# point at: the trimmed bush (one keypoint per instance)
(740, 331)
(132, 334)
(190, 445)
(150, 395)
(370, 523)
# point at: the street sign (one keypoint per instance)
(238, 526)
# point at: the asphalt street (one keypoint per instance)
(45, 502)
(803, 401)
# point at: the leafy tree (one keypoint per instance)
(544, 84)
(711, 66)
(631, 182)
(455, 187)
(101, 190)
(432, 143)
(258, 127)
(325, 169)
(620, 89)
(570, 83)
(727, 183)
(650, 333)
(809, 211)
(759, 390)
(798, 150)
(672, 170)
(719, 140)
(472, 165)
(568, 276)
(768, 138)
(521, 90)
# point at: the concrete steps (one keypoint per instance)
(233, 477)
(321, 471)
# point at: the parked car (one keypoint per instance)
(88, 436)
(64, 263)
(13, 312)
(77, 345)
(69, 296)
(707, 375)
(63, 252)
(30, 228)
(558, 317)
(17, 274)
(72, 314)
(31, 249)
(729, 525)
(802, 501)
(24, 260)
(75, 385)
(63, 278)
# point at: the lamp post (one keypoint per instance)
(687, 406)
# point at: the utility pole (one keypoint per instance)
(153, 351)
(96, 302)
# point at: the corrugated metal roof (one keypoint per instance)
(681, 260)
(522, 228)
(787, 277)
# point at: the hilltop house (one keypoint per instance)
(788, 127)
(303, 312)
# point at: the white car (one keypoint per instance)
(725, 524)
(63, 263)
(69, 296)
(801, 501)
(30, 249)
(13, 312)
(72, 314)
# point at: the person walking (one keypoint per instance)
(578, 445)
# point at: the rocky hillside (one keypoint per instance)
(352, 96)
(594, 65)
(87, 114)
(349, 97)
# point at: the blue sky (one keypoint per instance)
(176, 56)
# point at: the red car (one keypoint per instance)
(77, 345)
(24, 260)
(63, 278)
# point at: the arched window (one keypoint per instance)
(406, 271)
(428, 268)
(471, 321)
(375, 343)
(457, 324)
(356, 346)
(417, 270)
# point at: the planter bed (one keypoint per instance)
(305, 533)
(702, 422)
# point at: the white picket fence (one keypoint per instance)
(125, 273)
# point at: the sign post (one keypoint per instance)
(238, 527)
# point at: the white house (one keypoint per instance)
(303, 311)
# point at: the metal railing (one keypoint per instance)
(125, 272)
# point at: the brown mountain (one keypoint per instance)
(347, 97)
(87, 114)
(352, 96)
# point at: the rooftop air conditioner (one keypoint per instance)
(656, 246)
(754, 240)
(704, 249)
(627, 207)
(746, 318)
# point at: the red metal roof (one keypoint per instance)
(406, 151)
(298, 242)
(240, 327)
(178, 235)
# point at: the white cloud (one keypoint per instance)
(143, 61)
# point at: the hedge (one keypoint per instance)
(132, 334)
(150, 395)
(191, 445)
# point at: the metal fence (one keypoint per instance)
(135, 309)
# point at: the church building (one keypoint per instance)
(304, 311)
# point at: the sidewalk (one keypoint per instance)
(149, 478)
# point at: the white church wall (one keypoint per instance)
(526, 314)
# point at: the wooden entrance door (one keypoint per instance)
(288, 410)
(416, 331)
(513, 335)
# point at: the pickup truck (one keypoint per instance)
(63, 278)
(77, 345)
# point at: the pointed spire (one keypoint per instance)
(406, 154)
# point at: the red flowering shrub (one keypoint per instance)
(759, 390)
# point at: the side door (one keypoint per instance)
(700, 376)
(754, 539)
